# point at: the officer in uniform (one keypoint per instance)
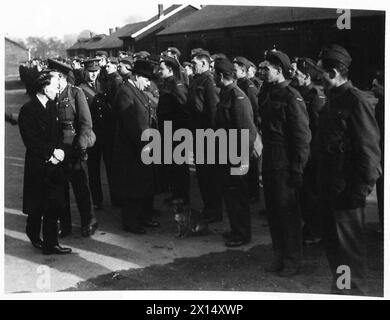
(305, 75)
(76, 76)
(234, 111)
(286, 138)
(172, 107)
(114, 80)
(175, 53)
(76, 123)
(349, 165)
(252, 70)
(241, 67)
(124, 68)
(202, 105)
(103, 126)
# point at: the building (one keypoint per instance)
(250, 30)
(85, 46)
(15, 54)
(145, 37)
(134, 36)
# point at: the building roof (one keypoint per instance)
(153, 23)
(113, 41)
(16, 44)
(88, 43)
(214, 17)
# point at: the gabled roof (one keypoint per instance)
(153, 23)
(214, 17)
(16, 44)
(113, 41)
(88, 43)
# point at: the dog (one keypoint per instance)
(189, 221)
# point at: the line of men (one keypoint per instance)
(318, 148)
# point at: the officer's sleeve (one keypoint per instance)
(252, 95)
(211, 100)
(84, 119)
(71, 78)
(180, 92)
(298, 133)
(366, 153)
(244, 118)
(28, 131)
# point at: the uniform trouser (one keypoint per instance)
(178, 176)
(253, 177)
(136, 211)
(210, 189)
(284, 218)
(103, 147)
(236, 197)
(308, 201)
(345, 245)
(77, 176)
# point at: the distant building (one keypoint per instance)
(15, 54)
(145, 37)
(134, 36)
(250, 30)
(85, 46)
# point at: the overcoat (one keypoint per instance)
(41, 134)
(131, 177)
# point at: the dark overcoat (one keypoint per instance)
(41, 134)
(131, 177)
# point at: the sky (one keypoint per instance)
(48, 18)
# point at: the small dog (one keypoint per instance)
(189, 221)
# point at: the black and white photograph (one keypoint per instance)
(208, 149)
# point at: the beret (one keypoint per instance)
(336, 52)
(242, 61)
(174, 50)
(91, 64)
(308, 66)
(224, 66)
(199, 52)
(59, 66)
(279, 58)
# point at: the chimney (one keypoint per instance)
(160, 11)
(90, 35)
(110, 31)
(116, 29)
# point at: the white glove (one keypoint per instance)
(59, 154)
(53, 160)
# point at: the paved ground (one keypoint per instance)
(115, 260)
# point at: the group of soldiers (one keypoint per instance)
(321, 154)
